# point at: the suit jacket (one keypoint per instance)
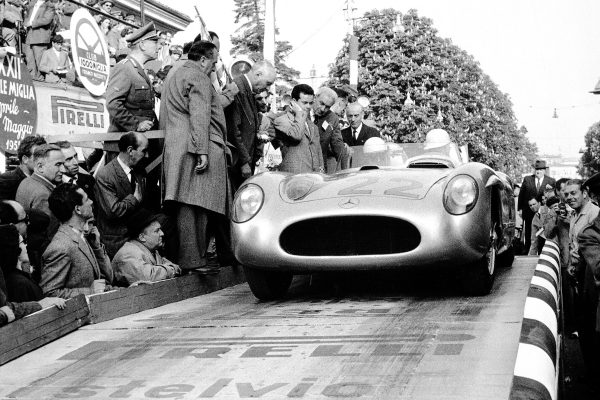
(366, 132)
(243, 121)
(42, 24)
(193, 121)
(70, 265)
(50, 61)
(134, 262)
(33, 193)
(589, 248)
(330, 135)
(300, 144)
(9, 183)
(129, 97)
(528, 190)
(115, 203)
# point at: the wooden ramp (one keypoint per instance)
(408, 341)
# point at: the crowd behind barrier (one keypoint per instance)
(88, 226)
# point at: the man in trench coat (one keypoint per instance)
(195, 159)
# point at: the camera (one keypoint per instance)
(562, 209)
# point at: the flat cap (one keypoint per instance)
(138, 221)
(146, 32)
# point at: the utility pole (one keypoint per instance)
(269, 42)
(353, 43)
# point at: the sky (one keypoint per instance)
(544, 54)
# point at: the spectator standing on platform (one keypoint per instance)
(41, 22)
(55, 62)
(10, 180)
(243, 119)
(532, 186)
(330, 134)
(120, 190)
(298, 136)
(129, 95)
(75, 262)
(73, 173)
(12, 20)
(357, 133)
(195, 159)
(139, 259)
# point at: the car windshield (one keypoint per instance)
(405, 155)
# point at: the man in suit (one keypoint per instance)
(243, 119)
(533, 186)
(75, 262)
(328, 123)
(55, 62)
(298, 136)
(139, 259)
(357, 133)
(73, 172)
(40, 23)
(10, 180)
(195, 159)
(120, 190)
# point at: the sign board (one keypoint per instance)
(69, 112)
(18, 107)
(90, 52)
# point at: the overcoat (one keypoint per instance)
(332, 143)
(194, 124)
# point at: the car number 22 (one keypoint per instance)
(404, 188)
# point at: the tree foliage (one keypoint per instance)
(590, 159)
(401, 55)
(249, 38)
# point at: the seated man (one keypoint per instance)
(138, 259)
(75, 261)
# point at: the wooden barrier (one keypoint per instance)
(118, 303)
(37, 329)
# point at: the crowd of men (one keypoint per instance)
(40, 30)
(73, 227)
(566, 211)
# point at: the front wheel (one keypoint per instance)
(267, 285)
(478, 278)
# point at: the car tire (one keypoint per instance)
(267, 285)
(478, 278)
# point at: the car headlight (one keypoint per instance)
(248, 201)
(460, 194)
(298, 187)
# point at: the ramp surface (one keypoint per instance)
(381, 338)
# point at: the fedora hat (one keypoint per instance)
(539, 164)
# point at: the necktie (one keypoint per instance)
(133, 181)
(355, 133)
(537, 184)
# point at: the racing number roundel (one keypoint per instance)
(90, 52)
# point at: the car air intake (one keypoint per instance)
(350, 236)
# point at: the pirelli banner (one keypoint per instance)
(68, 112)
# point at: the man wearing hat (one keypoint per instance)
(129, 96)
(55, 62)
(533, 186)
(139, 259)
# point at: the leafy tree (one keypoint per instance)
(590, 159)
(249, 38)
(417, 81)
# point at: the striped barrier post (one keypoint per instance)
(537, 366)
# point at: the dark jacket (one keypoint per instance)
(589, 249)
(115, 203)
(528, 190)
(366, 132)
(9, 183)
(330, 135)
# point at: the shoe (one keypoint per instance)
(208, 270)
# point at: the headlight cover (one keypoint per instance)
(460, 195)
(247, 203)
(298, 187)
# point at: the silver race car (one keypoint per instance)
(395, 206)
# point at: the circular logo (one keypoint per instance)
(18, 106)
(90, 52)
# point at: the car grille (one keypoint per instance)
(349, 236)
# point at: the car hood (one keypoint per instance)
(404, 183)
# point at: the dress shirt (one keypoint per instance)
(126, 168)
(356, 132)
